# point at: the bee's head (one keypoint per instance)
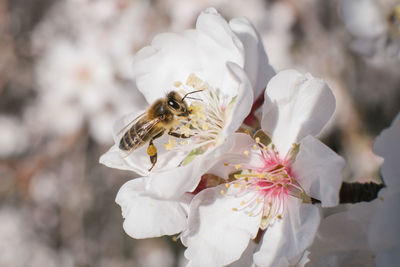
(177, 105)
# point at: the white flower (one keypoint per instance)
(367, 234)
(13, 136)
(228, 63)
(270, 186)
(375, 25)
(146, 215)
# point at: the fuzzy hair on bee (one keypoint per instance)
(162, 116)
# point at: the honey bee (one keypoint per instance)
(160, 117)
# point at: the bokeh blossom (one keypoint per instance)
(269, 185)
(374, 24)
(366, 234)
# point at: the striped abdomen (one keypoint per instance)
(140, 133)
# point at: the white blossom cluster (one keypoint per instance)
(249, 182)
(231, 197)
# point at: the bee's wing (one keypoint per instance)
(132, 122)
(144, 129)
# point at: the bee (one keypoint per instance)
(160, 117)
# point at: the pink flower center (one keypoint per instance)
(265, 187)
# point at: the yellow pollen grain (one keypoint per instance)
(258, 187)
(257, 140)
(174, 239)
(265, 148)
(227, 185)
(238, 166)
(234, 209)
(255, 147)
(279, 216)
(251, 214)
(381, 199)
(177, 84)
(247, 131)
(171, 144)
(204, 126)
(194, 124)
(246, 152)
(242, 203)
(223, 192)
(236, 185)
(226, 164)
(258, 200)
(243, 187)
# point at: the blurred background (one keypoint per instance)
(65, 77)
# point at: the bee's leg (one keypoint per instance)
(178, 135)
(152, 150)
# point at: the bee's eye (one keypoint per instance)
(173, 104)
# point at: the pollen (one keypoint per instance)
(223, 192)
(185, 130)
(246, 152)
(257, 140)
(171, 144)
(242, 203)
(234, 209)
(204, 126)
(227, 185)
(238, 166)
(177, 84)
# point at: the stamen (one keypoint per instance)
(264, 189)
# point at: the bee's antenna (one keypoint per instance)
(190, 93)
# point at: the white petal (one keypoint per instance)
(244, 100)
(177, 181)
(256, 63)
(204, 51)
(247, 256)
(146, 216)
(295, 106)
(318, 169)
(285, 241)
(112, 158)
(387, 145)
(236, 155)
(217, 235)
(363, 18)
